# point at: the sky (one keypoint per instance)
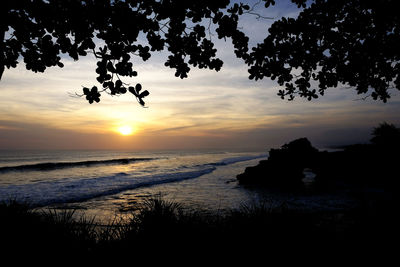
(208, 110)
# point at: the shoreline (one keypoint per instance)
(328, 213)
(217, 193)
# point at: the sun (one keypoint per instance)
(125, 130)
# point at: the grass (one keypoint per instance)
(162, 228)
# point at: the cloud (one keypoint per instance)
(207, 106)
(208, 109)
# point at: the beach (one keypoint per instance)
(191, 203)
(109, 181)
(105, 184)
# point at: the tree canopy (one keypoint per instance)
(387, 135)
(331, 43)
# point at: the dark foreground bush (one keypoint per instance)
(162, 230)
(25, 232)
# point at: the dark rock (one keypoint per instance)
(357, 166)
(284, 166)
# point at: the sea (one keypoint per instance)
(106, 184)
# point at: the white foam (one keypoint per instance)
(68, 190)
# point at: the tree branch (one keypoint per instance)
(2, 66)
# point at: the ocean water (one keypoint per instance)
(105, 184)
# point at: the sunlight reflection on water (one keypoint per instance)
(214, 192)
(198, 181)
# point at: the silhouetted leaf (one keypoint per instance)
(329, 43)
(138, 87)
(144, 94)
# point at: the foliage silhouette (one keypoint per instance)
(331, 42)
(387, 135)
(162, 230)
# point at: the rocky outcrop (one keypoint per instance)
(356, 166)
(284, 166)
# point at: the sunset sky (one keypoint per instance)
(208, 110)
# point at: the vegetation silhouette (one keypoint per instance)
(331, 43)
(386, 135)
(161, 230)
